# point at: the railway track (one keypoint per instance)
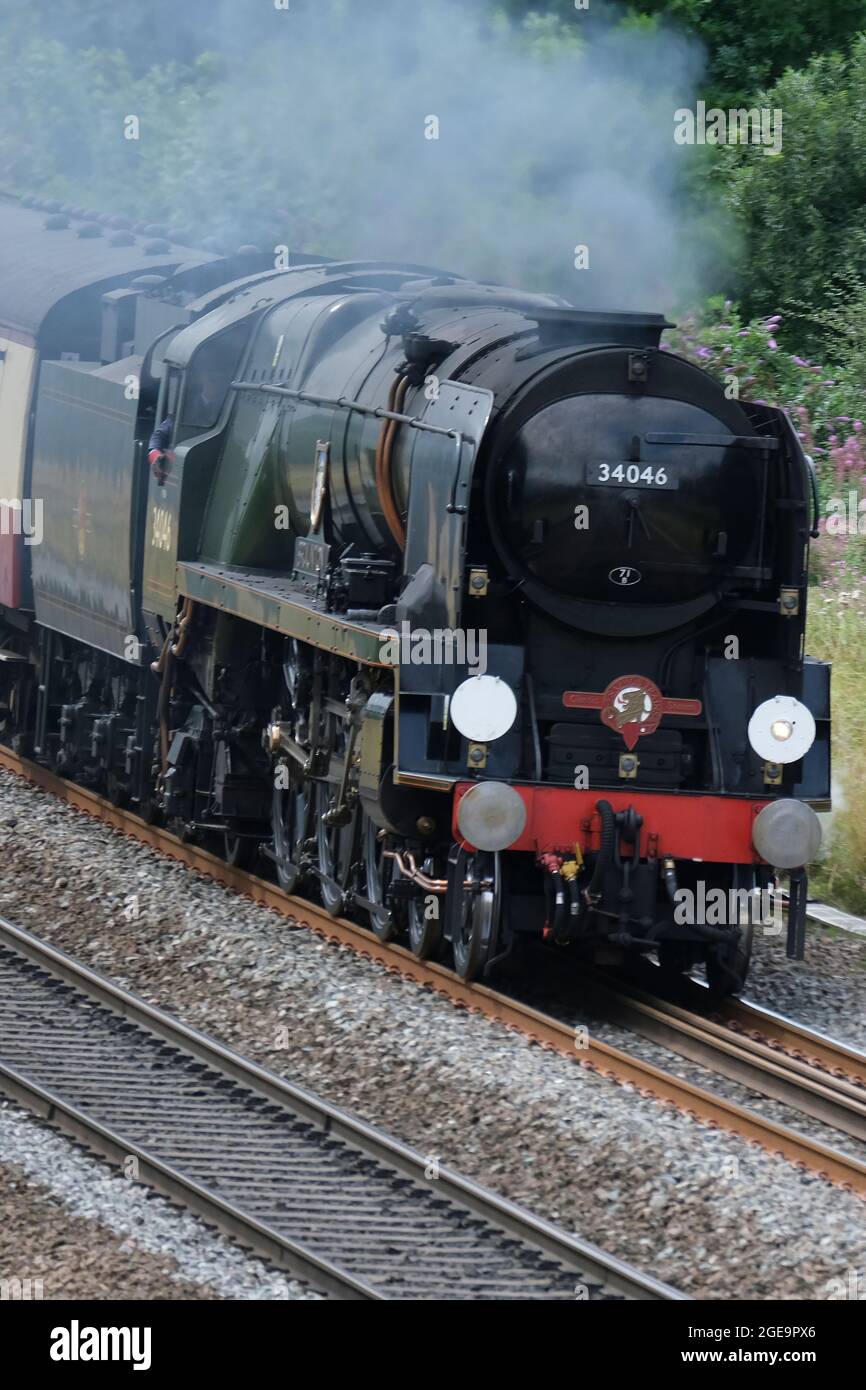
(357, 1213)
(781, 1059)
(613, 1063)
(807, 1044)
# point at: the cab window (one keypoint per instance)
(208, 377)
(169, 395)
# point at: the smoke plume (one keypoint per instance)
(429, 133)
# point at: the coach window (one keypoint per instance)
(208, 377)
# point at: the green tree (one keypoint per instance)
(801, 212)
(749, 43)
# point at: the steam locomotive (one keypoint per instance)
(463, 610)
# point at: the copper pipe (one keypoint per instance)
(388, 459)
(380, 446)
(186, 617)
(433, 885)
(409, 869)
(158, 666)
(162, 668)
(384, 481)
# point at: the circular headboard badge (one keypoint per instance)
(781, 730)
(483, 708)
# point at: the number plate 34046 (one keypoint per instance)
(649, 475)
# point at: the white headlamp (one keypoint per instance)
(781, 730)
(483, 708)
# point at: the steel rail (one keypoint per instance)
(543, 1245)
(611, 1062)
(806, 1044)
(772, 1055)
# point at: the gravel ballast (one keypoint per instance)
(693, 1206)
(826, 990)
(88, 1232)
(45, 1253)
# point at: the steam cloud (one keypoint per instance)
(315, 137)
